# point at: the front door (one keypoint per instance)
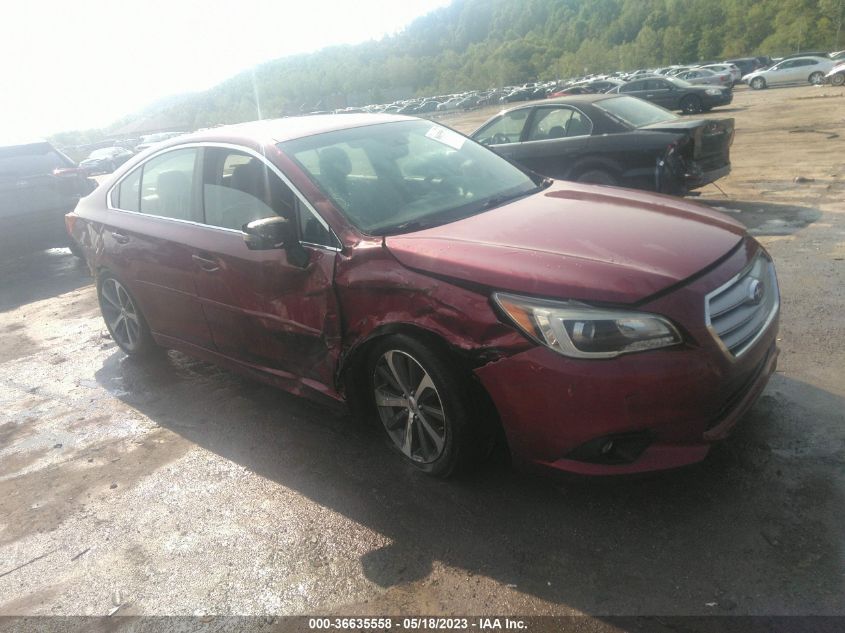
(264, 310)
(555, 139)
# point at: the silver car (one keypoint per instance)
(733, 69)
(791, 71)
(704, 76)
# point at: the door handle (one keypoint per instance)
(207, 264)
(120, 238)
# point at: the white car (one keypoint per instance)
(790, 71)
(836, 76)
(733, 69)
(707, 77)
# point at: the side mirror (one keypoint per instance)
(267, 233)
(276, 232)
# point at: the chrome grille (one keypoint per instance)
(740, 311)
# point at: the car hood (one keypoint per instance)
(574, 241)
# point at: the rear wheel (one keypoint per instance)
(838, 79)
(758, 83)
(422, 402)
(816, 78)
(597, 177)
(124, 320)
(691, 104)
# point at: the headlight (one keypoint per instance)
(580, 331)
(715, 92)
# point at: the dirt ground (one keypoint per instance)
(180, 488)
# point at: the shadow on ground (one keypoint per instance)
(765, 218)
(40, 275)
(756, 528)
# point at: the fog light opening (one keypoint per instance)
(612, 449)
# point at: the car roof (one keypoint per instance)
(569, 100)
(290, 128)
(797, 57)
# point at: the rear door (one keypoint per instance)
(655, 90)
(662, 92)
(149, 243)
(263, 309)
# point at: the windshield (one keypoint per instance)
(635, 112)
(404, 176)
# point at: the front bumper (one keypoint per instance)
(669, 405)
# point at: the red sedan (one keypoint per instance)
(397, 265)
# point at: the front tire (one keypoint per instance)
(816, 78)
(421, 400)
(838, 79)
(691, 105)
(123, 318)
(758, 83)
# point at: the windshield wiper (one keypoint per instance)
(497, 201)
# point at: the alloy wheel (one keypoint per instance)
(409, 406)
(121, 314)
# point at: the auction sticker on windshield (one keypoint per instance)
(446, 136)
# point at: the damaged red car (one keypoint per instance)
(441, 291)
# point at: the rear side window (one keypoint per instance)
(633, 86)
(167, 183)
(128, 194)
(35, 159)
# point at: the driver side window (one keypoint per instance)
(506, 129)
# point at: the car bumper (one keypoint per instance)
(694, 181)
(659, 410)
(714, 102)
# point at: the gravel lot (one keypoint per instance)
(175, 487)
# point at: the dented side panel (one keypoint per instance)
(378, 293)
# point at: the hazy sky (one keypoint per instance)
(73, 64)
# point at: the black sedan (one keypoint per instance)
(105, 160)
(676, 94)
(612, 140)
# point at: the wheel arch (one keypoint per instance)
(351, 374)
(594, 162)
